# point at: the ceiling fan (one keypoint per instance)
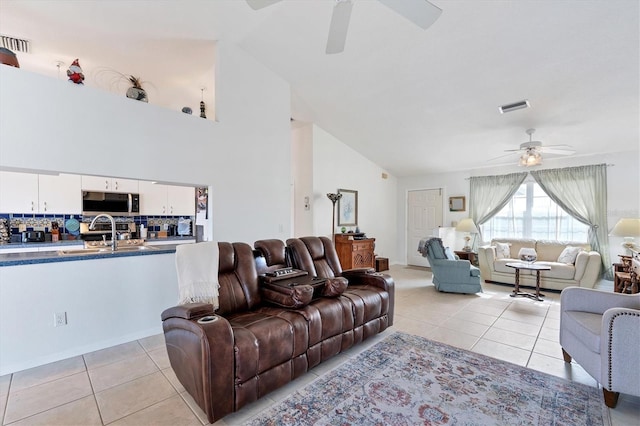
(420, 12)
(532, 151)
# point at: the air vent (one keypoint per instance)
(514, 106)
(15, 44)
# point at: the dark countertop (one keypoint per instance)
(51, 256)
(65, 243)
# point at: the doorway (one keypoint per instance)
(424, 217)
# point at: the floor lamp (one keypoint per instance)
(334, 198)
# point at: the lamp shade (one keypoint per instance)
(467, 225)
(626, 227)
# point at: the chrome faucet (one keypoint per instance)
(113, 228)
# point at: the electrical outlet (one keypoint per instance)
(59, 319)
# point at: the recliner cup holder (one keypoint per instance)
(207, 319)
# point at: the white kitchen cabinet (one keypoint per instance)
(18, 192)
(181, 200)
(166, 200)
(153, 199)
(99, 183)
(44, 194)
(58, 194)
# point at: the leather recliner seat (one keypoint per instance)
(254, 345)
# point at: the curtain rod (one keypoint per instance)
(608, 165)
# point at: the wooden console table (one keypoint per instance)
(468, 255)
(354, 252)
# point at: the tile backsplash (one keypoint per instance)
(42, 222)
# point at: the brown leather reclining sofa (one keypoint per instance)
(264, 336)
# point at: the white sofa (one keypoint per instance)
(585, 272)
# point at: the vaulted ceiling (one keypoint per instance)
(413, 101)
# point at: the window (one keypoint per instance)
(532, 214)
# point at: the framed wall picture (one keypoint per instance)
(457, 204)
(348, 208)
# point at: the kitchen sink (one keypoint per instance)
(105, 250)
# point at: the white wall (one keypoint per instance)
(107, 301)
(302, 171)
(623, 190)
(337, 166)
(53, 125)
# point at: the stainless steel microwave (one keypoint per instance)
(114, 203)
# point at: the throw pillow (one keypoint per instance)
(449, 253)
(569, 254)
(503, 251)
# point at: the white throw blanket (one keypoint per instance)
(197, 266)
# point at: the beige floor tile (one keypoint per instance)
(510, 338)
(120, 401)
(46, 373)
(516, 326)
(113, 354)
(152, 342)
(120, 372)
(195, 408)
(557, 367)
(454, 338)
(3, 406)
(549, 334)
(80, 412)
(173, 379)
(528, 307)
(463, 326)
(494, 311)
(548, 347)
(170, 412)
(160, 357)
(501, 351)
(37, 399)
(412, 326)
(553, 323)
(475, 317)
(554, 313)
(523, 317)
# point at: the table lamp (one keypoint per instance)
(628, 229)
(467, 225)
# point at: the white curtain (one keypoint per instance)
(582, 192)
(489, 194)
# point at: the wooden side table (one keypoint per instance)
(468, 255)
(382, 264)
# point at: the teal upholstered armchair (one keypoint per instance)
(449, 274)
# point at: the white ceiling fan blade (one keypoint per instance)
(420, 12)
(501, 156)
(339, 26)
(558, 151)
(259, 4)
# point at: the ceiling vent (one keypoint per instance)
(514, 106)
(15, 44)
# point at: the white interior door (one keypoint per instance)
(424, 217)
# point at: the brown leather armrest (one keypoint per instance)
(334, 287)
(358, 271)
(188, 311)
(376, 279)
(294, 297)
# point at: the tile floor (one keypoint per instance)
(133, 384)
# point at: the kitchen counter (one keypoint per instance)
(48, 252)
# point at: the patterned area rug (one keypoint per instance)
(409, 380)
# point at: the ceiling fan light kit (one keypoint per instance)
(514, 106)
(530, 158)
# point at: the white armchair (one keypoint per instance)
(601, 331)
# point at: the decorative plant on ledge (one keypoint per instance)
(136, 91)
(115, 80)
